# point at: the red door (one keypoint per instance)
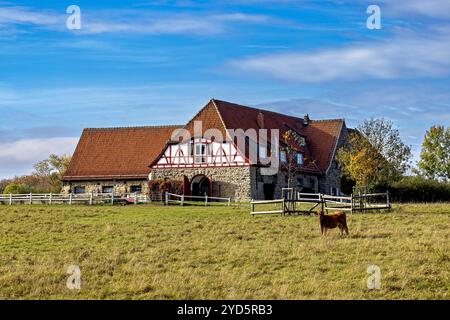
(186, 186)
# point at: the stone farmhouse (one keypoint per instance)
(123, 160)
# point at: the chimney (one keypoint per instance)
(306, 119)
(260, 120)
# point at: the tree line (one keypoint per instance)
(377, 159)
(45, 178)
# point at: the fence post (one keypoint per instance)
(182, 200)
(10, 199)
(135, 198)
(70, 198)
(206, 200)
(50, 200)
(321, 202)
(167, 199)
(351, 206)
(229, 201)
(91, 198)
(112, 197)
(31, 198)
(388, 200)
(253, 205)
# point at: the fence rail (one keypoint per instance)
(83, 198)
(292, 200)
(171, 198)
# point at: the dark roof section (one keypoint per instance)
(321, 135)
(117, 153)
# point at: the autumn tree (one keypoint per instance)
(435, 156)
(375, 154)
(51, 170)
(291, 149)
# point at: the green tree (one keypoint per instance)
(17, 188)
(435, 156)
(375, 154)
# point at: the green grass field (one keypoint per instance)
(153, 252)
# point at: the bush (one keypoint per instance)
(17, 188)
(417, 189)
(171, 186)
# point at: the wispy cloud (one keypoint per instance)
(397, 57)
(132, 21)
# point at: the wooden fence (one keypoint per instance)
(171, 198)
(83, 198)
(293, 202)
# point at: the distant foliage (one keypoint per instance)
(171, 186)
(375, 155)
(417, 189)
(45, 178)
(435, 156)
(17, 188)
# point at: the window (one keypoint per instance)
(107, 189)
(283, 156)
(302, 141)
(79, 189)
(136, 189)
(200, 153)
(299, 158)
(262, 151)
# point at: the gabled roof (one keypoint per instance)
(117, 153)
(321, 135)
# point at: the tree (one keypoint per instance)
(376, 154)
(434, 160)
(292, 141)
(17, 188)
(51, 170)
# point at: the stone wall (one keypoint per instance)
(233, 182)
(119, 186)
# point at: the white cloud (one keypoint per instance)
(430, 8)
(18, 157)
(390, 59)
(131, 21)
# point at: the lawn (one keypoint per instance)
(155, 252)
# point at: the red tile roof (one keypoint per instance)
(321, 136)
(125, 153)
(117, 153)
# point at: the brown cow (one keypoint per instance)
(331, 221)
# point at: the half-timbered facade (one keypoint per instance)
(208, 156)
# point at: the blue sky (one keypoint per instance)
(158, 62)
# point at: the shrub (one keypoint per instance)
(17, 188)
(171, 186)
(417, 189)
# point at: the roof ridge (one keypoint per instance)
(137, 127)
(259, 109)
(278, 113)
(328, 120)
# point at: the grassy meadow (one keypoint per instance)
(156, 252)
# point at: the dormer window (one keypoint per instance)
(302, 141)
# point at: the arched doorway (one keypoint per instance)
(200, 185)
